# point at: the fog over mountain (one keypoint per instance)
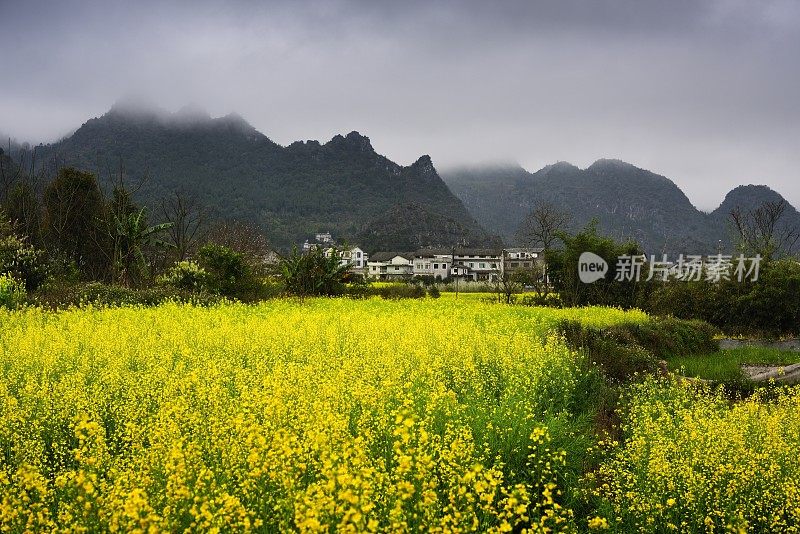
(627, 202)
(290, 192)
(705, 92)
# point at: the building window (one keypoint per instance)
(483, 265)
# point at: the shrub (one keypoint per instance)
(562, 268)
(186, 275)
(22, 261)
(626, 349)
(434, 293)
(99, 294)
(768, 307)
(227, 272)
(552, 300)
(12, 292)
(313, 273)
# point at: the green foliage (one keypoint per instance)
(98, 294)
(22, 206)
(769, 306)
(186, 275)
(23, 262)
(433, 292)
(541, 299)
(12, 292)
(626, 349)
(132, 236)
(313, 273)
(73, 216)
(563, 271)
(341, 186)
(227, 272)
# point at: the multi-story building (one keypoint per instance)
(477, 264)
(522, 258)
(354, 257)
(435, 263)
(390, 265)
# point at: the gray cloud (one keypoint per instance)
(702, 92)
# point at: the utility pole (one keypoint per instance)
(455, 268)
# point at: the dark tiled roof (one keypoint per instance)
(428, 252)
(478, 252)
(525, 249)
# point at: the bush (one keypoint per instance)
(98, 294)
(553, 300)
(434, 293)
(228, 273)
(12, 292)
(23, 262)
(358, 288)
(768, 307)
(562, 268)
(627, 349)
(186, 275)
(313, 273)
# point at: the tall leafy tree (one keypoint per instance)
(73, 215)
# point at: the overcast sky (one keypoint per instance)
(706, 93)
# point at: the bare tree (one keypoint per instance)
(245, 239)
(764, 230)
(542, 225)
(189, 223)
(506, 284)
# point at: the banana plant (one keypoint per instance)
(132, 237)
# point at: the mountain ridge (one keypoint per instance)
(291, 192)
(629, 202)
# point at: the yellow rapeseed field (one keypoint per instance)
(328, 414)
(693, 461)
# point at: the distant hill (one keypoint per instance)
(342, 186)
(627, 201)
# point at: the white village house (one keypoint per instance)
(479, 265)
(433, 262)
(469, 264)
(355, 257)
(521, 258)
(390, 265)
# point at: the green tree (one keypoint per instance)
(563, 270)
(131, 237)
(228, 272)
(74, 212)
(313, 273)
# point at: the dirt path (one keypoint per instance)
(784, 344)
(782, 374)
